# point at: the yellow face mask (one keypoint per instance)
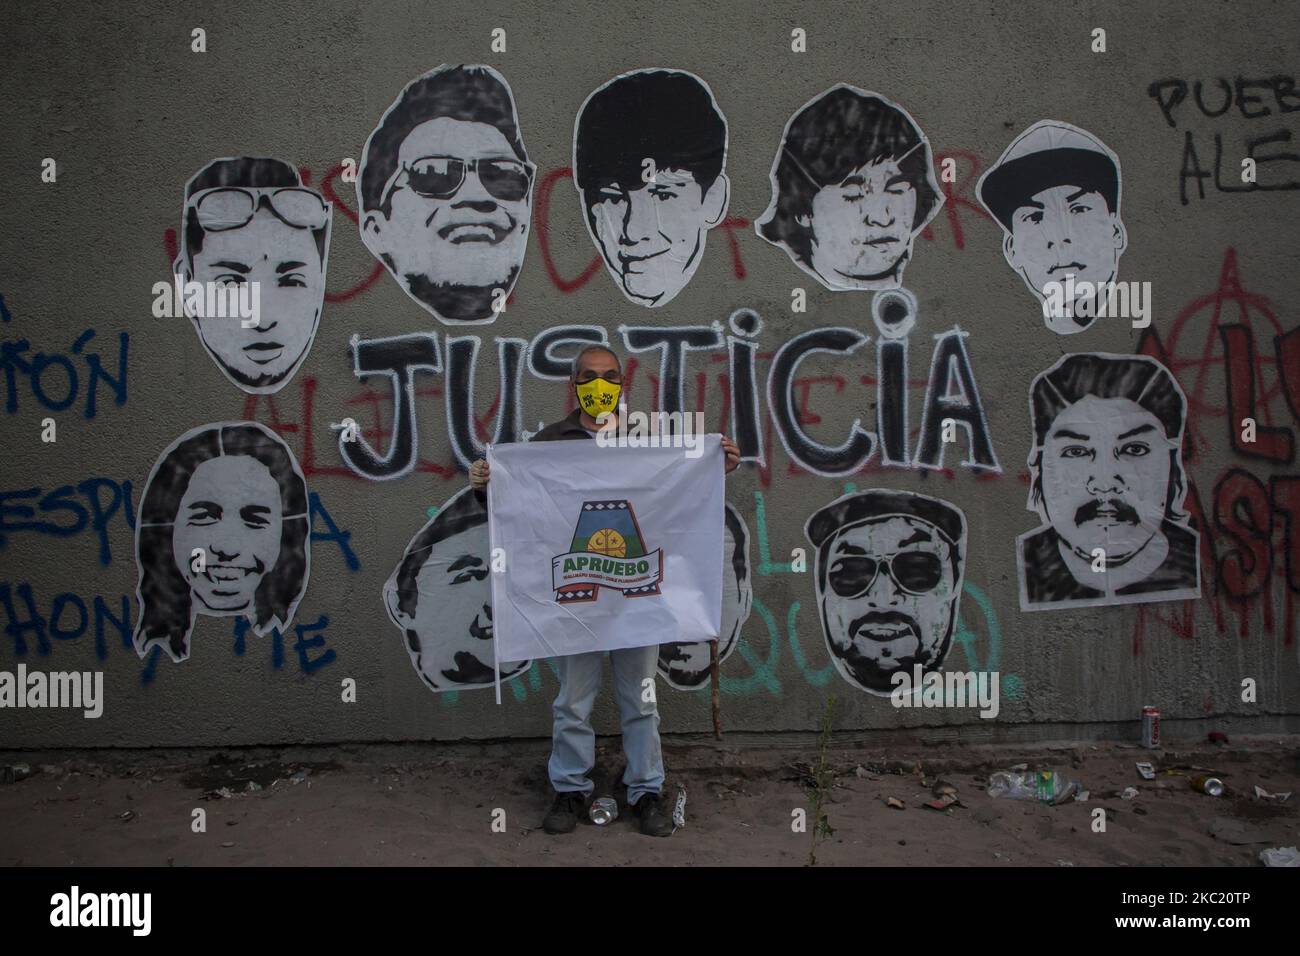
(598, 396)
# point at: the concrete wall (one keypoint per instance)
(114, 94)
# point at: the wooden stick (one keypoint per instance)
(715, 681)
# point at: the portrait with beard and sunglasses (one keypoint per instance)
(445, 190)
(889, 582)
(1108, 484)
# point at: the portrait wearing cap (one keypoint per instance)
(445, 192)
(440, 598)
(1055, 192)
(1108, 484)
(889, 580)
(853, 185)
(649, 149)
(249, 223)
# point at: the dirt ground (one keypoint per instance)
(421, 804)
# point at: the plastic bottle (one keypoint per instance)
(1046, 786)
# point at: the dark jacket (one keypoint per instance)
(566, 428)
(1048, 580)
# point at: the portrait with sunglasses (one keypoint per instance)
(445, 190)
(889, 579)
(250, 220)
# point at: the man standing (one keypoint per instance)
(597, 381)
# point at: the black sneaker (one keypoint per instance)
(655, 820)
(563, 815)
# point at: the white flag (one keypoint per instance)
(604, 548)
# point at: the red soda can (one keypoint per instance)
(1150, 727)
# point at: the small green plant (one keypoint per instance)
(819, 788)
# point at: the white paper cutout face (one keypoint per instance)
(651, 233)
(286, 264)
(685, 666)
(234, 492)
(1056, 191)
(1063, 232)
(1108, 486)
(853, 185)
(652, 237)
(1105, 475)
(873, 209)
(451, 219)
(232, 512)
(881, 618)
(447, 621)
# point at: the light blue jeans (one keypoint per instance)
(573, 752)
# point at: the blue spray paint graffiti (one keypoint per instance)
(53, 378)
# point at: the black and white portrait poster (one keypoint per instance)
(223, 529)
(853, 184)
(1108, 484)
(445, 190)
(889, 572)
(440, 598)
(649, 151)
(1055, 191)
(253, 234)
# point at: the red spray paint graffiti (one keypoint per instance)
(1251, 535)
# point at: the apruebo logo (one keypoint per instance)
(608, 551)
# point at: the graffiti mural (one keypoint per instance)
(889, 581)
(952, 412)
(1055, 192)
(686, 666)
(223, 530)
(649, 149)
(250, 227)
(852, 185)
(1108, 483)
(440, 598)
(445, 193)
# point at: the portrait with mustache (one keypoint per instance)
(889, 582)
(445, 191)
(440, 598)
(224, 530)
(853, 184)
(1055, 191)
(1108, 484)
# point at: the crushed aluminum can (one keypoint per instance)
(1212, 786)
(603, 810)
(1146, 771)
(679, 808)
(1151, 727)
